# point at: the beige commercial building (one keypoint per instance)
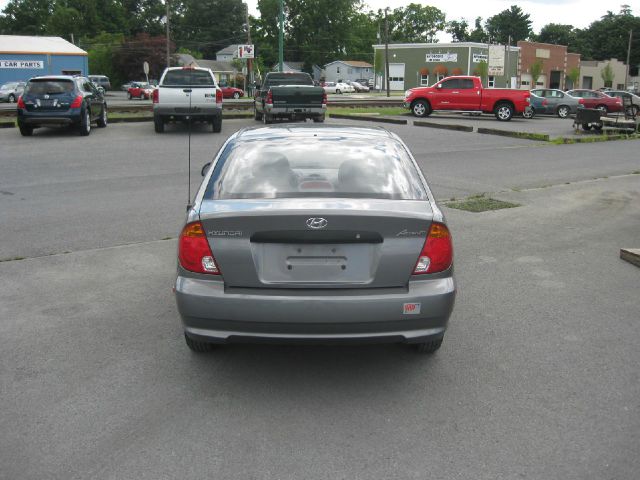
(591, 74)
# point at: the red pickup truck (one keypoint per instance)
(465, 94)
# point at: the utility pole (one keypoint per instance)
(386, 49)
(249, 60)
(168, 57)
(281, 38)
(626, 75)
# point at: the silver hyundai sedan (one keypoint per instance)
(315, 234)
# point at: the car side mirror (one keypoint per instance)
(205, 167)
(439, 85)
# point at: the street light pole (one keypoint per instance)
(281, 38)
(386, 49)
(168, 57)
(626, 75)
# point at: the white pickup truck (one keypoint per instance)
(187, 93)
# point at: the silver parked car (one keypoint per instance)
(9, 92)
(314, 233)
(555, 102)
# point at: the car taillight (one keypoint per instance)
(324, 98)
(218, 96)
(194, 253)
(269, 98)
(545, 102)
(77, 102)
(581, 101)
(156, 95)
(21, 102)
(437, 252)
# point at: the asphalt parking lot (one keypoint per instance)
(537, 378)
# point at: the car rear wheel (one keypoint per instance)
(25, 130)
(504, 112)
(563, 111)
(603, 109)
(267, 119)
(529, 113)
(216, 124)
(421, 108)
(256, 114)
(129, 96)
(85, 123)
(158, 124)
(236, 95)
(198, 347)
(319, 119)
(12, 98)
(338, 91)
(429, 346)
(102, 121)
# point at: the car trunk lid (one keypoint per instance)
(316, 243)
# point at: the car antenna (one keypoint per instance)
(189, 91)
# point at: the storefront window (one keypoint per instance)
(424, 80)
(492, 82)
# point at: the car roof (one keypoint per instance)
(56, 77)
(327, 131)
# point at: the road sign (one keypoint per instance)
(246, 51)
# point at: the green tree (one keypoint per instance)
(557, 34)
(478, 34)
(607, 75)
(573, 75)
(536, 70)
(483, 71)
(512, 24)
(101, 50)
(416, 23)
(26, 17)
(458, 30)
(609, 37)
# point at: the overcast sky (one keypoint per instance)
(579, 13)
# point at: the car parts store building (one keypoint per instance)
(23, 57)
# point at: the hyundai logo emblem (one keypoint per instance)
(317, 222)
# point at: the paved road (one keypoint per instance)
(537, 378)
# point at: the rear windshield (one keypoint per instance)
(193, 78)
(294, 167)
(289, 79)
(48, 87)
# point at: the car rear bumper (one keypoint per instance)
(211, 312)
(196, 111)
(296, 110)
(69, 117)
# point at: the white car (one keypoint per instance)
(360, 87)
(333, 87)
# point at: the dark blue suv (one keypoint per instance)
(61, 100)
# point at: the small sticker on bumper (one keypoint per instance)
(411, 309)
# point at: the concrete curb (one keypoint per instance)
(631, 255)
(395, 121)
(507, 133)
(459, 128)
(231, 116)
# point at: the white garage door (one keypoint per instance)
(396, 76)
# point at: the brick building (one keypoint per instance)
(557, 62)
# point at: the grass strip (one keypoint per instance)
(444, 126)
(541, 137)
(480, 203)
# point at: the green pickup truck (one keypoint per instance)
(289, 95)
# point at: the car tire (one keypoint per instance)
(129, 96)
(430, 346)
(103, 120)
(421, 108)
(85, 122)
(216, 124)
(338, 91)
(158, 124)
(198, 347)
(603, 109)
(256, 114)
(236, 95)
(12, 98)
(25, 130)
(503, 111)
(563, 111)
(598, 127)
(318, 119)
(529, 113)
(267, 119)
